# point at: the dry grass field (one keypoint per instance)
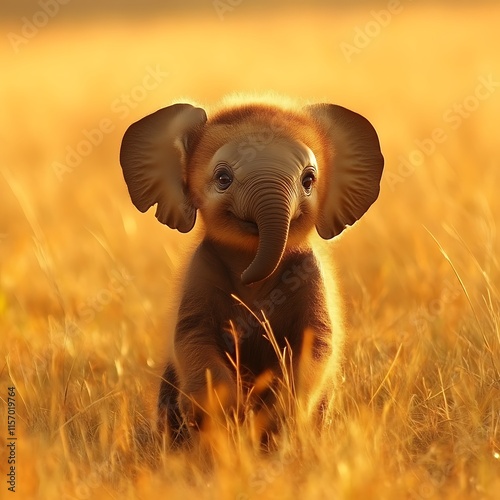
(86, 281)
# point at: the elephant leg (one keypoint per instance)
(170, 419)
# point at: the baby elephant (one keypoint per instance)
(263, 177)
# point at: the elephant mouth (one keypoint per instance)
(249, 226)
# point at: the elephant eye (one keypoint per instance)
(223, 179)
(308, 181)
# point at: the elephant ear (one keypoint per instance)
(153, 159)
(354, 170)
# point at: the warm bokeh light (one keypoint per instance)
(87, 282)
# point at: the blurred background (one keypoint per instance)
(86, 281)
(76, 74)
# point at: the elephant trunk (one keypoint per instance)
(272, 216)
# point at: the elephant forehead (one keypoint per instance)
(246, 155)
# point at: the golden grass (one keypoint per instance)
(86, 282)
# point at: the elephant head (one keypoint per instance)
(261, 176)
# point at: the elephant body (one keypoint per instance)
(293, 300)
(262, 178)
